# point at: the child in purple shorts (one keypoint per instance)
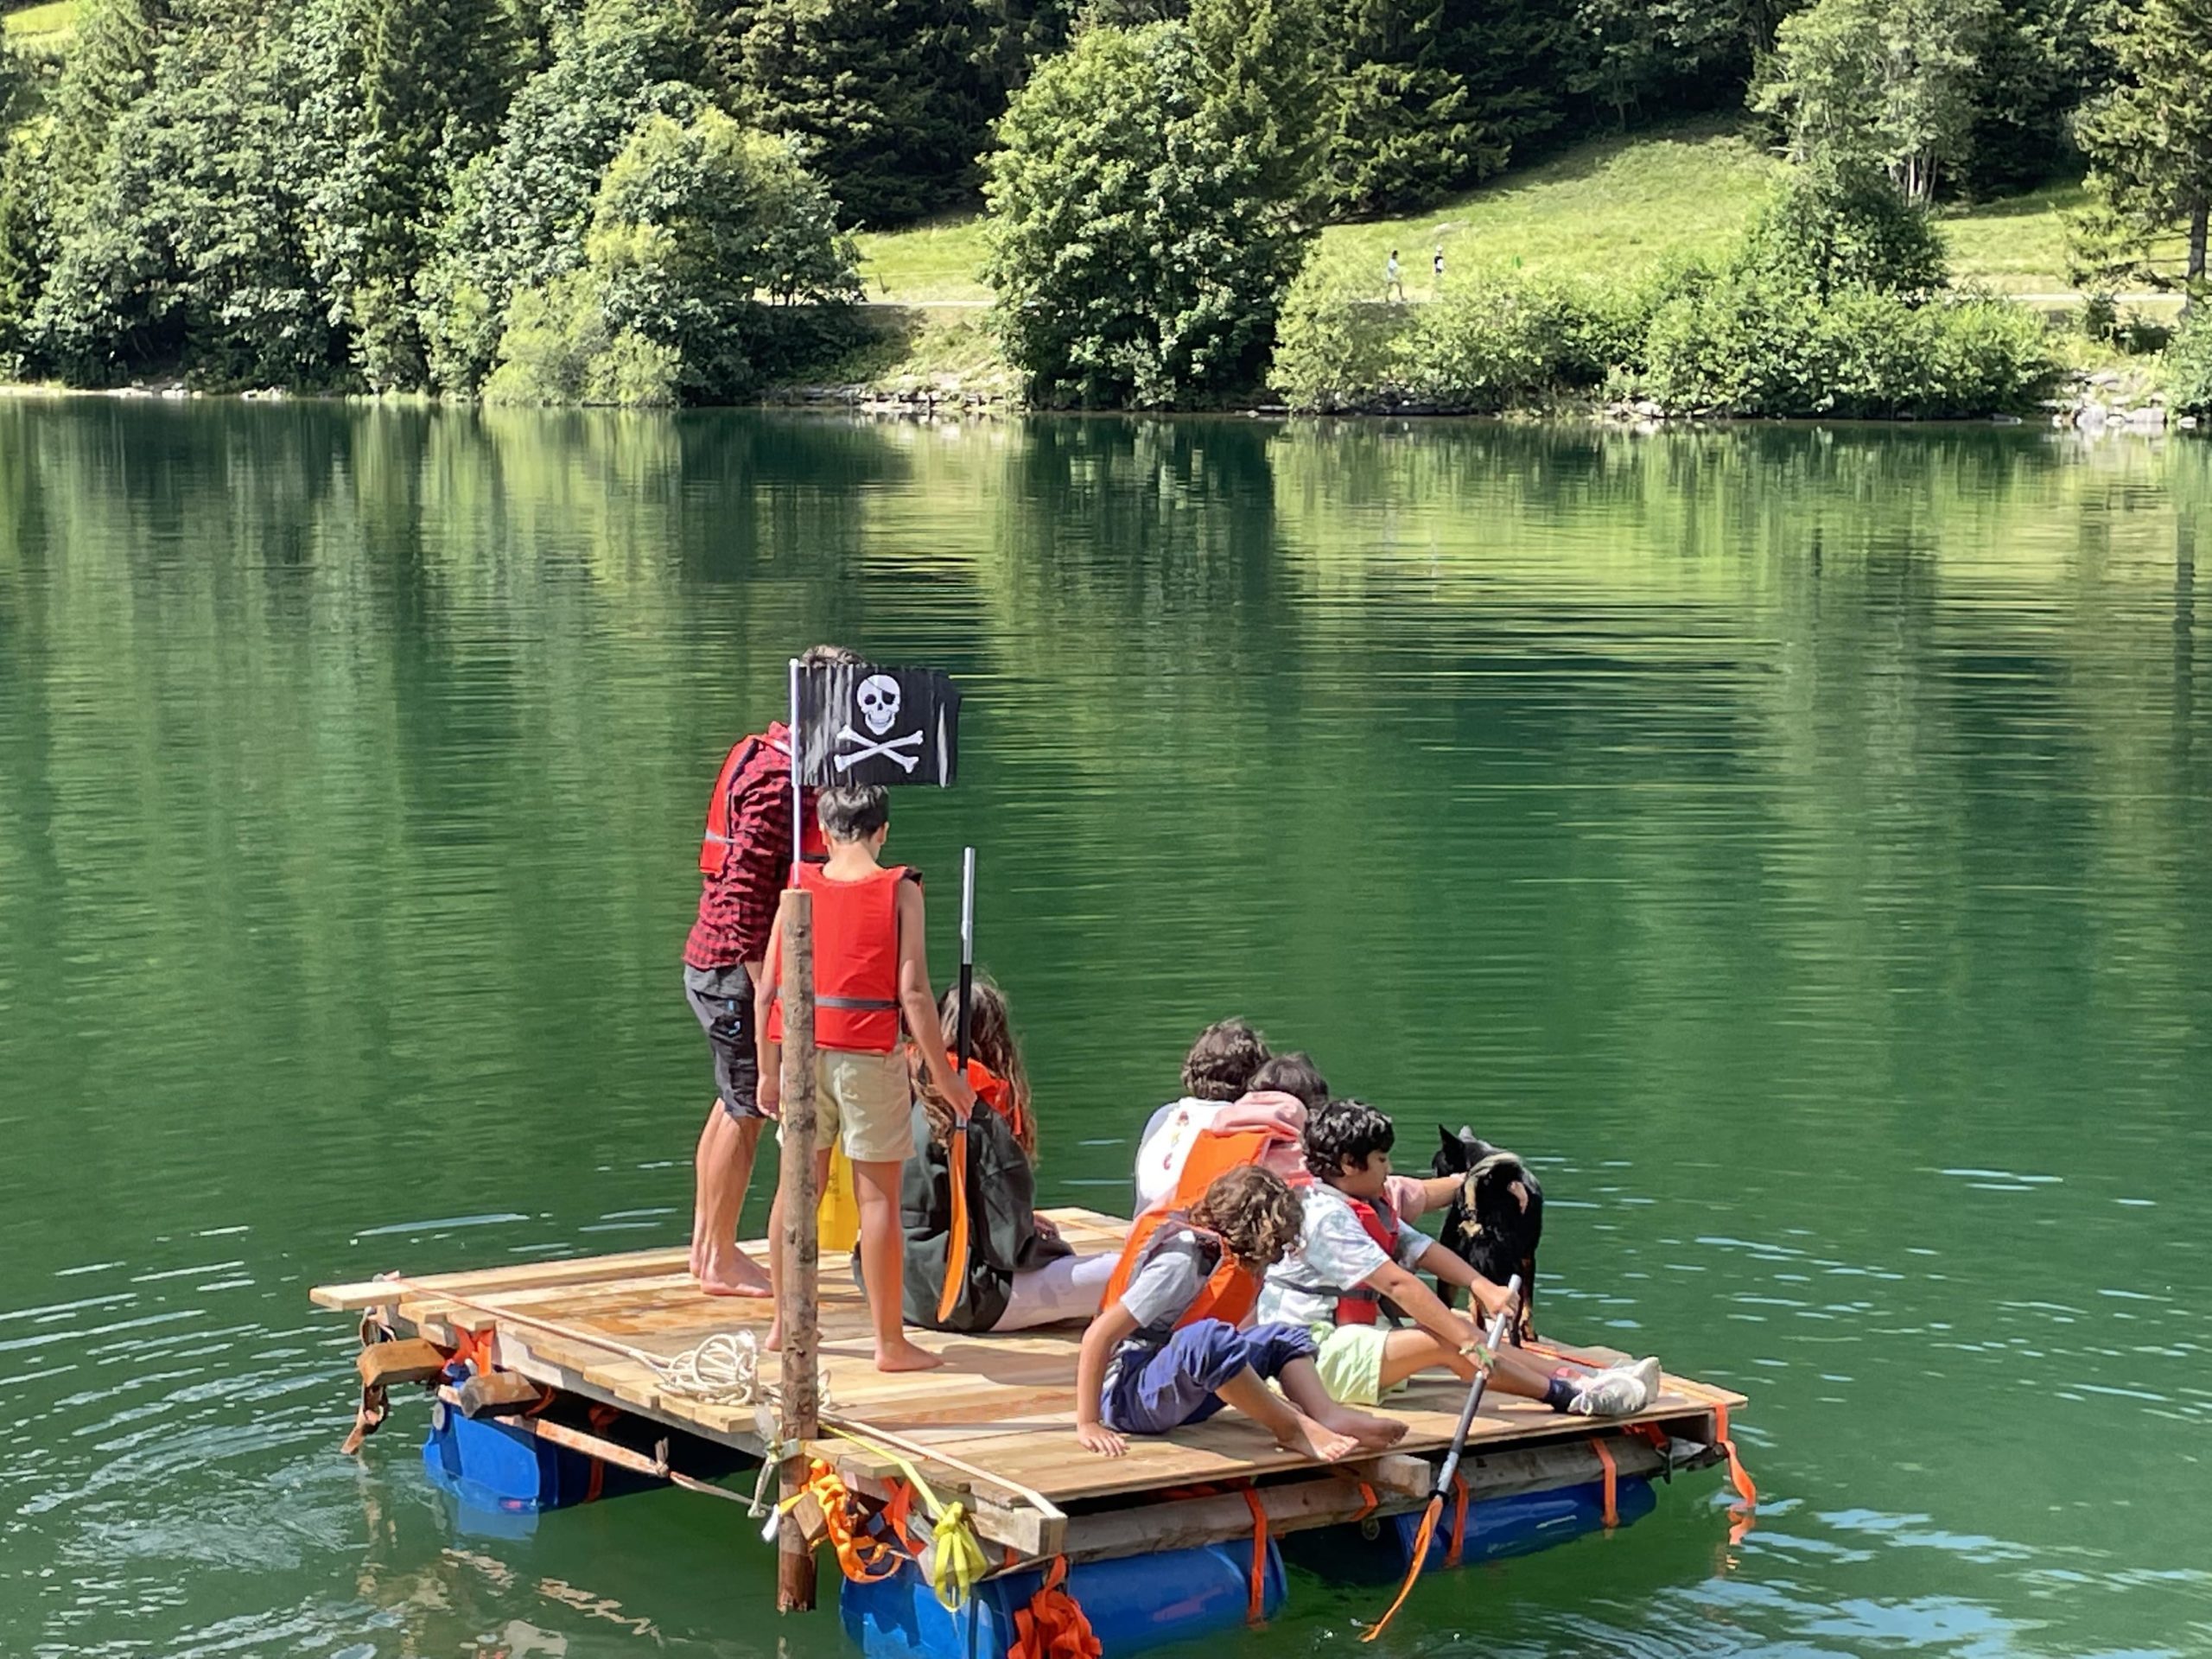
(1156, 1357)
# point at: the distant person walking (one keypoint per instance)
(1393, 284)
(1436, 272)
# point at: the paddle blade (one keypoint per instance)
(955, 1238)
(1422, 1538)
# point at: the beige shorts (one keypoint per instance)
(866, 1101)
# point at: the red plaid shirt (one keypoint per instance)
(738, 907)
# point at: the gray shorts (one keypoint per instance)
(722, 998)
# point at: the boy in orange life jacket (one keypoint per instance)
(1353, 1250)
(869, 963)
(1166, 1350)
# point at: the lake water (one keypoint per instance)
(1798, 842)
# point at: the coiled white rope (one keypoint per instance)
(722, 1371)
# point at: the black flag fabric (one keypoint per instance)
(859, 723)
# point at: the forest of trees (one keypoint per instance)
(647, 201)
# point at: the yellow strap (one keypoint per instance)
(957, 1560)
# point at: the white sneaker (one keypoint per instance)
(1647, 1371)
(1613, 1393)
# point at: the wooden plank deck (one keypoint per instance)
(996, 1422)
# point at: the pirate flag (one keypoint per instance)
(860, 724)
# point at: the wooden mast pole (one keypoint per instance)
(799, 1405)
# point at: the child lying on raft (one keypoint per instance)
(1166, 1350)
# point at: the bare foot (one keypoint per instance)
(1316, 1441)
(1373, 1434)
(733, 1275)
(905, 1356)
(775, 1342)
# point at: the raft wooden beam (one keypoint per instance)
(993, 1428)
(1303, 1505)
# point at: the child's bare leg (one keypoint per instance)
(883, 1268)
(1301, 1381)
(776, 1255)
(1292, 1429)
(1405, 1352)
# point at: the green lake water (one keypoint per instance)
(1797, 842)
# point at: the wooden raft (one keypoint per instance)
(996, 1425)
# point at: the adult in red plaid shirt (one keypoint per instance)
(745, 863)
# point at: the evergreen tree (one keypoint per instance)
(2040, 60)
(885, 98)
(1404, 131)
(1435, 95)
(434, 78)
(110, 65)
(2148, 141)
(1264, 60)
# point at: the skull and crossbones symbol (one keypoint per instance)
(878, 701)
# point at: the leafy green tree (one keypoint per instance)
(2148, 141)
(885, 97)
(520, 210)
(26, 240)
(189, 245)
(1842, 225)
(1887, 82)
(710, 250)
(1136, 250)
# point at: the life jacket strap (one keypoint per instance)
(856, 1004)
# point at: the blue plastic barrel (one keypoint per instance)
(1527, 1522)
(488, 1465)
(1136, 1603)
(1377, 1552)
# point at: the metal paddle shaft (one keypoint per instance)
(1474, 1401)
(967, 954)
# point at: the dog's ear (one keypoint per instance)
(1452, 1158)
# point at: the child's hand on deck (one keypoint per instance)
(1097, 1437)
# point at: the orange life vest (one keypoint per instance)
(996, 1092)
(856, 962)
(1231, 1293)
(715, 847)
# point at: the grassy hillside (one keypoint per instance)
(46, 28)
(1614, 204)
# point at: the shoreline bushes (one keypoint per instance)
(1834, 304)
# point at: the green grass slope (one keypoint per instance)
(46, 27)
(1617, 203)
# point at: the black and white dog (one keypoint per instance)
(1496, 1217)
